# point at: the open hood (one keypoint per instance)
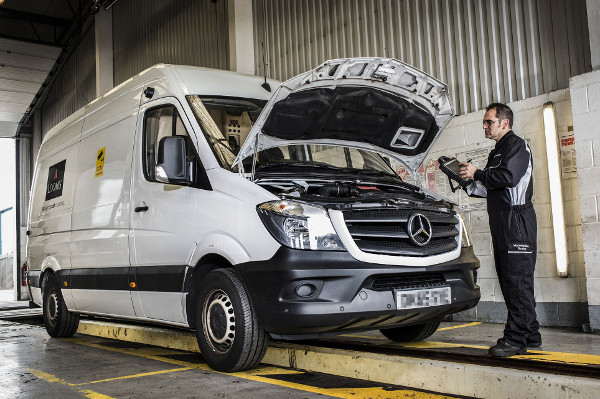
(375, 103)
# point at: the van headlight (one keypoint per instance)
(300, 226)
(465, 239)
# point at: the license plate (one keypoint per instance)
(422, 298)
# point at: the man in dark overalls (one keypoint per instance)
(507, 183)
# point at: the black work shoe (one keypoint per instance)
(504, 349)
(533, 344)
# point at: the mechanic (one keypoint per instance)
(507, 183)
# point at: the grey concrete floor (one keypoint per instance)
(554, 339)
(33, 365)
(28, 350)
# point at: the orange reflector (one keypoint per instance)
(132, 284)
(65, 283)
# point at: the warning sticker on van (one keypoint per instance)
(100, 162)
(56, 175)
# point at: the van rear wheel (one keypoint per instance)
(229, 335)
(58, 320)
(418, 332)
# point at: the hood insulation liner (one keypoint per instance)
(351, 113)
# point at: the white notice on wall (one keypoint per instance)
(567, 154)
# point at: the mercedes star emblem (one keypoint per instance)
(419, 229)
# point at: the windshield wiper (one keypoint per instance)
(310, 164)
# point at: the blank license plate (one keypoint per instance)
(422, 298)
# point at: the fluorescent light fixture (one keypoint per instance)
(556, 198)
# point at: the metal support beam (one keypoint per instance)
(593, 14)
(104, 52)
(241, 36)
(17, 257)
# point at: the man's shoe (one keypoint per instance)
(504, 349)
(533, 345)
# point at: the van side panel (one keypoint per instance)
(52, 199)
(100, 231)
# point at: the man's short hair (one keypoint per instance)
(502, 112)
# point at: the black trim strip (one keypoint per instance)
(160, 278)
(112, 278)
(33, 278)
(146, 278)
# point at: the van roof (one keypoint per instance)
(181, 80)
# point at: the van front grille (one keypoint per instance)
(385, 231)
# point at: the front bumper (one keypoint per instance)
(344, 298)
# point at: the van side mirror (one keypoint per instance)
(172, 165)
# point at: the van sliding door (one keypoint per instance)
(100, 222)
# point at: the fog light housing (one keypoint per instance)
(305, 290)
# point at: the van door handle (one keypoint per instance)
(142, 208)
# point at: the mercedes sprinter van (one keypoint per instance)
(197, 198)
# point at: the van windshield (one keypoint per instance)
(225, 122)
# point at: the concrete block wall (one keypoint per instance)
(585, 91)
(560, 301)
(6, 271)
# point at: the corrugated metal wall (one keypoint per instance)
(485, 50)
(74, 85)
(190, 32)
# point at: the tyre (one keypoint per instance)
(418, 332)
(58, 320)
(229, 335)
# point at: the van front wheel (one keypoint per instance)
(229, 335)
(58, 320)
(418, 332)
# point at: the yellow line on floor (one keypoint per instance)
(459, 326)
(364, 337)
(94, 395)
(125, 377)
(260, 374)
(532, 354)
(47, 377)
(345, 393)
(561, 357)
(385, 339)
(149, 352)
(436, 345)
(54, 379)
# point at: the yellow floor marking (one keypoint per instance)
(385, 339)
(47, 377)
(146, 352)
(436, 345)
(460, 326)
(52, 378)
(533, 354)
(265, 370)
(364, 337)
(344, 393)
(260, 374)
(560, 357)
(135, 376)
(94, 395)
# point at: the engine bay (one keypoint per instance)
(343, 194)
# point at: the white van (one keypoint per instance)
(141, 210)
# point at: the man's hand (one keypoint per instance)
(467, 170)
